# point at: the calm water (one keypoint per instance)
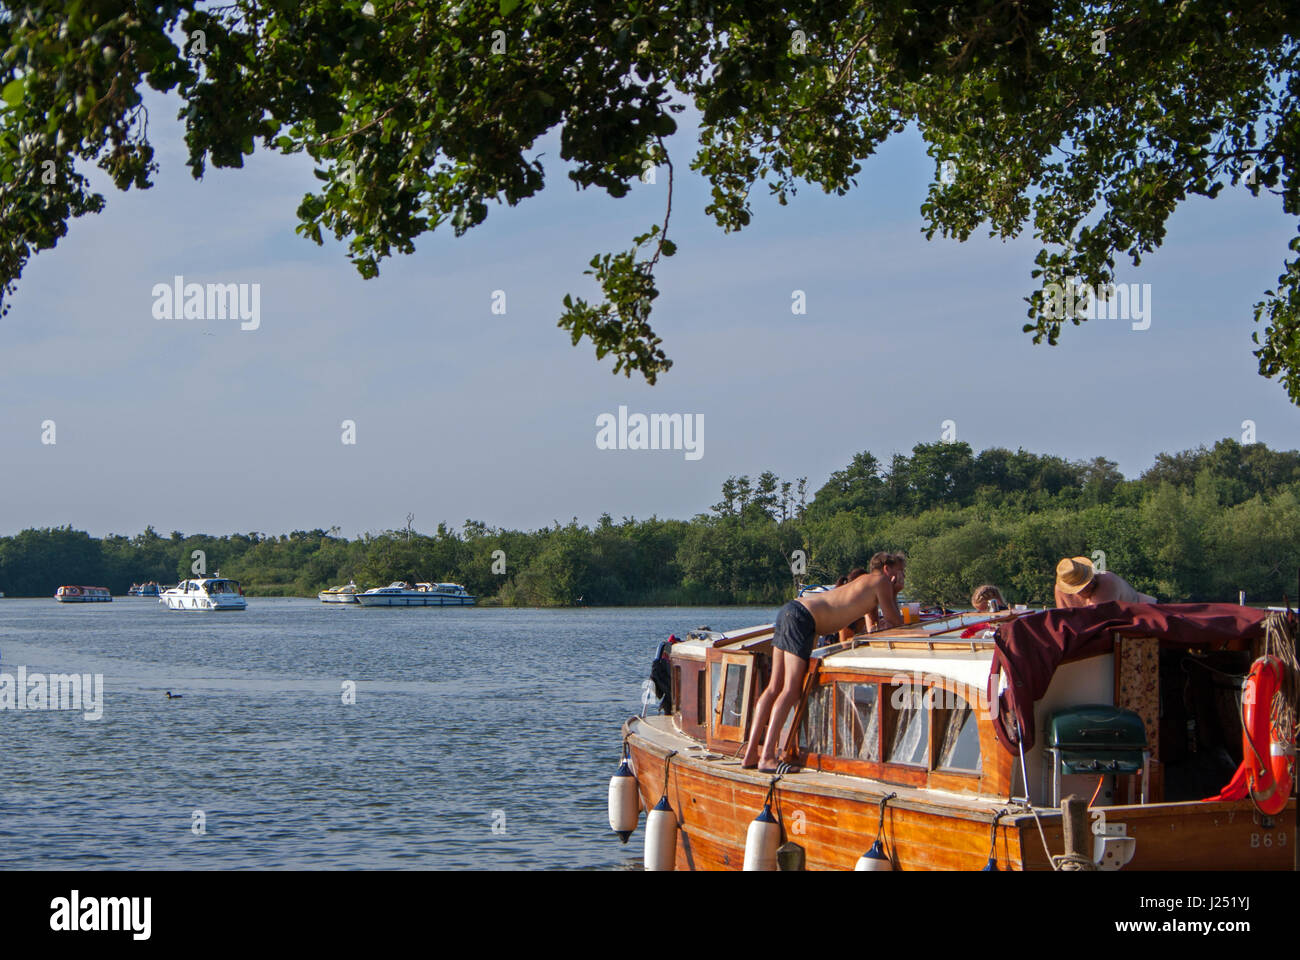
(463, 719)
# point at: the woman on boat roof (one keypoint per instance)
(1079, 584)
(987, 599)
(798, 624)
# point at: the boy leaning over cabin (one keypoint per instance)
(798, 624)
(861, 625)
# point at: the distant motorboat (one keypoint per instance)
(148, 589)
(401, 594)
(208, 593)
(346, 594)
(83, 595)
(815, 588)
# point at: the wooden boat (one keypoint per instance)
(902, 737)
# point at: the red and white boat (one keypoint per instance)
(83, 595)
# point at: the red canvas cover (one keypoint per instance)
(1030, 648)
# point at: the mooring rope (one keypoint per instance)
(1024, 776)
(993, 836)
(667, 763)
(1279, 641)
(880, 824)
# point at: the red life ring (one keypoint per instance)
(1267, 752)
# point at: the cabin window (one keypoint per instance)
(715, 684)
(815, 734)
(910, 740)
(701, 715)
(730, 679)
(676, 690)
(960, 744)
(733, 698)
(857, 721)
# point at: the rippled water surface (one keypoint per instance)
(464, 719)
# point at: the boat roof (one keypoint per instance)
(699, 641)
(969, 667)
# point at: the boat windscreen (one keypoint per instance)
(955, 622)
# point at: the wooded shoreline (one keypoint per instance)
(1198, 525)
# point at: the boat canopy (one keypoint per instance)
(1030, 648)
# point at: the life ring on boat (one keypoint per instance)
(1267, 752)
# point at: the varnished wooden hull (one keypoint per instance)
(834, 818)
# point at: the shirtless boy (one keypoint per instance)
(860, 625)
(798, 625)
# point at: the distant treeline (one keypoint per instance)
(1198, 525)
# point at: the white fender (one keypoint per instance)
(762, 840)
(624, 802)
(661, 837)
(875, 859)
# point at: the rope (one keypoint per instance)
(993, 835)
(1068, 862)
(1279, 641)
(771, 790)
(880, 824)
(1024, 776)
(667, 763)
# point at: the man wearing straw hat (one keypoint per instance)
(1079, 584)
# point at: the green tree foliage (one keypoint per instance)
(1198, 525)
(1085, 124)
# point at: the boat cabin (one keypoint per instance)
(911, 707)
(211, 586)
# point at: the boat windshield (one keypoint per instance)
(222, 586)
(955, 622)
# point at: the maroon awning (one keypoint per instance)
(1030, 648)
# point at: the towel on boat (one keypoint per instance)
(1030, 648)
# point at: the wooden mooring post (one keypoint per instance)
(1074, 827)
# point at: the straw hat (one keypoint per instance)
(1073, 574)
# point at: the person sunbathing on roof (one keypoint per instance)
(798, 624)
(1079, 584)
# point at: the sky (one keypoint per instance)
(462, 413)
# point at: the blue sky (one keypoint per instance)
(198, 426)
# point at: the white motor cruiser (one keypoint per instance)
(209, 593)
(399, 594)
